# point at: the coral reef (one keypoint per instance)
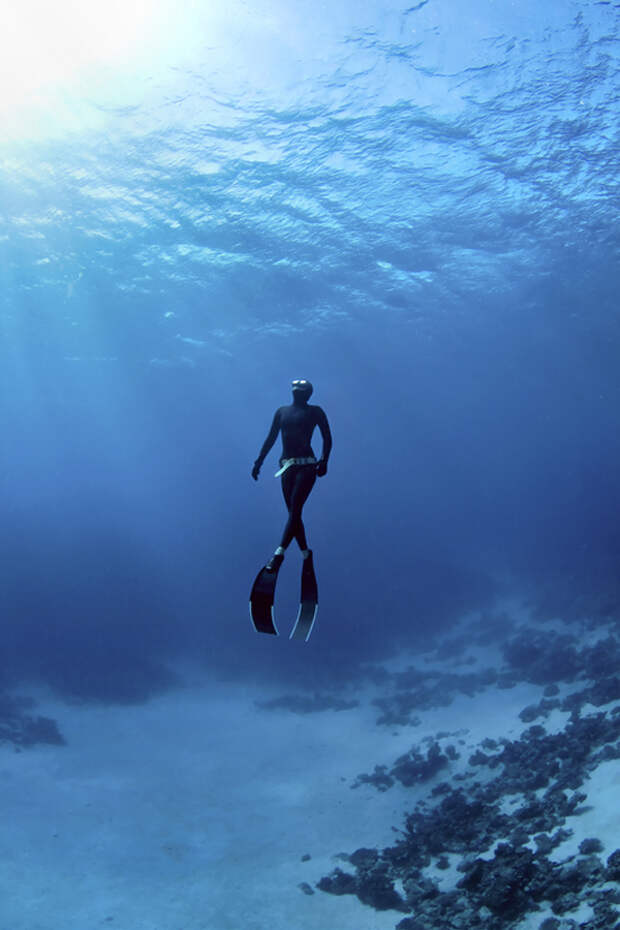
(502, 865)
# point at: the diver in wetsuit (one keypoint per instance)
(298, 466)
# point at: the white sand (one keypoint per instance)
(194, 810)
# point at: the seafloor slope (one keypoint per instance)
(474, 785)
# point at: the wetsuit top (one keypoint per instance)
(296, 422)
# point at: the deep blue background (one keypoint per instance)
(423, 224)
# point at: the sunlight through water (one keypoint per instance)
(57, 58)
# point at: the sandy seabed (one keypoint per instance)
(200, 810)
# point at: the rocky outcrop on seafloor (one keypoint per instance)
(413, 767)
(534, 655)
(416, 690)
(495, 890)
(23, 729)
(527, 654)
(546, 657)
(498, 824)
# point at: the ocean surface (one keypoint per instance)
(416, 207)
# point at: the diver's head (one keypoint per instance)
(302, 391)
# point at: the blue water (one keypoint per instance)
(414, 207)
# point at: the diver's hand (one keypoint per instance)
(321, 468)
(256, 471)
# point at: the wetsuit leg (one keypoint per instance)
(297, 482)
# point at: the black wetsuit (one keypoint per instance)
(296, 423)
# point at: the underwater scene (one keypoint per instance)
(310, 472)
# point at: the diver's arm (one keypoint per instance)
(268, 443)
(323, 425)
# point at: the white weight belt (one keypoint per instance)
(286, 463)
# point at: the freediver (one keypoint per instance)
(299, 467)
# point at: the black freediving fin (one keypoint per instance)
(262, 597)
(309, 602)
